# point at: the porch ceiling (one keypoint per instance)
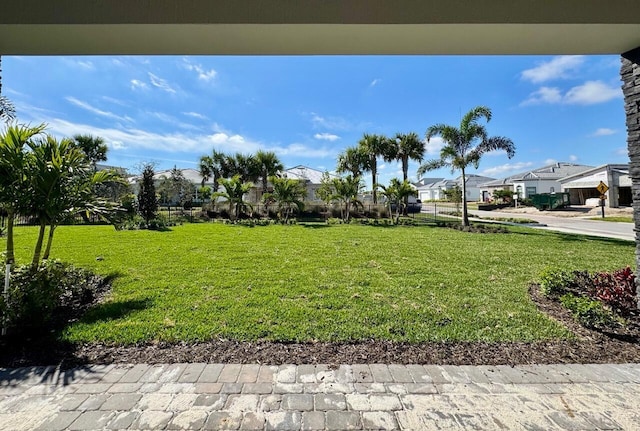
(64, 27)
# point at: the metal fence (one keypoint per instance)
(428, 211)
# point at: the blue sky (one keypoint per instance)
(173, 109)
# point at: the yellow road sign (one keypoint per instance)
(602, 187)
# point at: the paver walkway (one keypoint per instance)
(288, 397)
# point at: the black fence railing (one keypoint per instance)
(427, 211)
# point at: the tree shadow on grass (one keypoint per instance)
(571, 237)
(114, 310)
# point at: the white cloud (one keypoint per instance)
(203, 74)
(603, 131)
(558, 68)
(136, 84)
(622, 151)
(589, 93)
(592, 92)
(115, 101)
(302, 150)
(375, 82)
(87, 107)
(331, 123)
(116, 145)
(80, 64)
(573, 158)
(160, 83)
(326, 137)
(544, 95)
(550, 161)
(195, 115)
(501, 170)
(434, 145)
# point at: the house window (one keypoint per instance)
(531, 191)
(519, 191)
(552, 190)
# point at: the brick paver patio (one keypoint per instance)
(308, 397)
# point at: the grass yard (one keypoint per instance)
(325, 283)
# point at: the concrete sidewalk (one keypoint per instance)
(289, 397)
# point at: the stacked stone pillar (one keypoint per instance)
(630, 75)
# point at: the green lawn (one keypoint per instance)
(335, 283)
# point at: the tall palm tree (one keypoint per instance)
(93, 147)
(464, 146)
(353, 160)
(7, 110)
(212, 167)
(403, 148)
(373, 146)
(268, 165)
(288, 193)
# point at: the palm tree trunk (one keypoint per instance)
(405, 177)
(374, 174)
(10, 249)
(465, 216)
(38, 250)
(47, 249)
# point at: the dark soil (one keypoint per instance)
(588, 347)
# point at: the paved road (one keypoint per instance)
(289, 397)
(572, 224)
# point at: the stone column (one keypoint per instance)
(630, 75)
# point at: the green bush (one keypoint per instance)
(554, 282)
(160, 222)
(48, 296)
(588, 312)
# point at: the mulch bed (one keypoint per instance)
(589, 347)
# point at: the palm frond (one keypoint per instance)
(432, 165)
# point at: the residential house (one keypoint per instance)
(473, 186)
(542, 180)
(430, 189)
(583, 185)
(311, 177)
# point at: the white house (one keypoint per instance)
(583, 185)
(311, 177)
(542, 180)
(433, 188)
(473, 186)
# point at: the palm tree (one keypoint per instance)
(464, 146)
(396, 193)
(212, 167)
(346, 192)
(373, 146)
(93, 147)
(268, 165)
(62, 183)
(14, 187)
(7, 110)
(403, 148)
(353, 160)
(289, 195)
(235, 189)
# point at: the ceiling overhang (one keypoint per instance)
(317, 27)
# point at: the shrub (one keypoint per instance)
(587, 312)
(555, 282)
(617, 290)
(49, 296)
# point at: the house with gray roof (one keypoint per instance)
(541, 180)
(583, 185)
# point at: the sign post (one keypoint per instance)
(602, 188)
